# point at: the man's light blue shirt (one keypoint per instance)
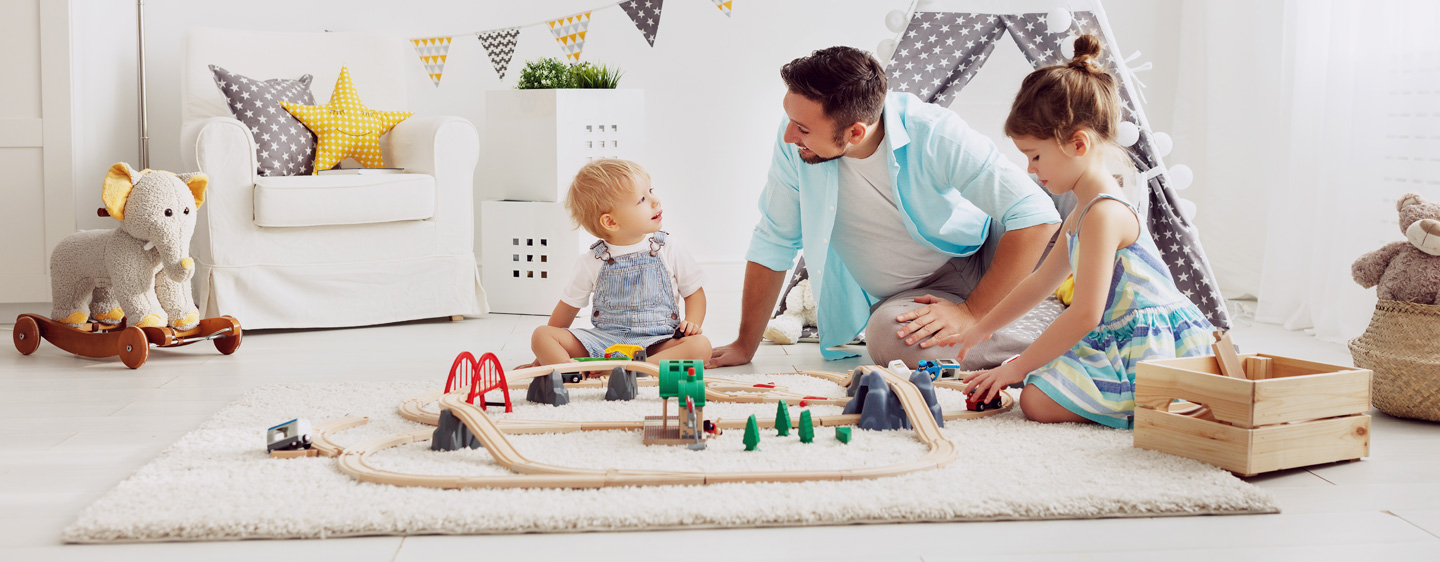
(948, 181)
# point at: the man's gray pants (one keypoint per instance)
(953, 282)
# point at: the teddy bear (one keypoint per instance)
(795, 317)
(1406, 271)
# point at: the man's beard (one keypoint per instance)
(817, 159)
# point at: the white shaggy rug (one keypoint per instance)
(217, 483)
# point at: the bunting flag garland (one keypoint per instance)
(500, 45)
(646, 15)
(570, 31)
(432, 51)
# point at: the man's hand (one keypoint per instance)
(939, 317)
(728, 355)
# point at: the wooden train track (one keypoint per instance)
(530, 474)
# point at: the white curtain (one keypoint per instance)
(1360, 126)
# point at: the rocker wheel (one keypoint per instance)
(228, 343)
(133, 347)
(27, 335)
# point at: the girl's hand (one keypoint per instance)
(988, 384)
(967, 340)
(689, 328)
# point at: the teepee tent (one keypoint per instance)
(943, 45)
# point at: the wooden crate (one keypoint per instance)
(1286, 413)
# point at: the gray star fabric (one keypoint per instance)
(500, 45)
(940, 52)
(284, 147)
(646, 15)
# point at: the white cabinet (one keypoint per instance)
(537, 139)
(527, 254)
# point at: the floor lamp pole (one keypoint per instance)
(144, 121)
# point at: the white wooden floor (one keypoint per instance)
(75, 427)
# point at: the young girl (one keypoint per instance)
(1126, 308)
(637, 275)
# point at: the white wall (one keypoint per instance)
(712, 83)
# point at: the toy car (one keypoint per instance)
(288, 436)
(899, 367)
(973, 403)
(942, 369)
(625, 351)
(617, 352)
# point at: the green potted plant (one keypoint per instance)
(551, 74)
(557, 118)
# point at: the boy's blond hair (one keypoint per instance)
(598, 187)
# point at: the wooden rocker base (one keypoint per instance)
(132, 344)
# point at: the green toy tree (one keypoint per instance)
(752, 434)
(807, 428)
(782, 419)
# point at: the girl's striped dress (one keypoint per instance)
(1145, 317)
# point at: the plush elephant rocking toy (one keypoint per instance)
(138, 273)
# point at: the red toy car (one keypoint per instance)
(973, 403)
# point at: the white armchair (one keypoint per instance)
(335, 250)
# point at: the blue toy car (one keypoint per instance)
(942, 369)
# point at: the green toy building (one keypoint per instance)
(684, 381)
(673, 371)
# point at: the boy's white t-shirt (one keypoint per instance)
(685, 275)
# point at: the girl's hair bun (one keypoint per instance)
(1087, 48)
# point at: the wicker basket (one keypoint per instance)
(1402, 348)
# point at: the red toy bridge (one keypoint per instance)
(481, 376)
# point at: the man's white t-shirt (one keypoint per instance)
(686, 276)
(870, 235)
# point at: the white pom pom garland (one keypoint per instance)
(1057, 20)
(1127, 133)
(1180, 177)
(895, 20)
(1163, 144)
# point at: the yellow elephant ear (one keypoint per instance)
(118, 183)
(197, 182)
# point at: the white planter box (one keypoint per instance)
(537, 139)
(527, 254)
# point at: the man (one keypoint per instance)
(913, 225)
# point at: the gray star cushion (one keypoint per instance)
(284, 147)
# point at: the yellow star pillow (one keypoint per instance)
(345, 127)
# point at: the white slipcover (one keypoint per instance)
(347, 250)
